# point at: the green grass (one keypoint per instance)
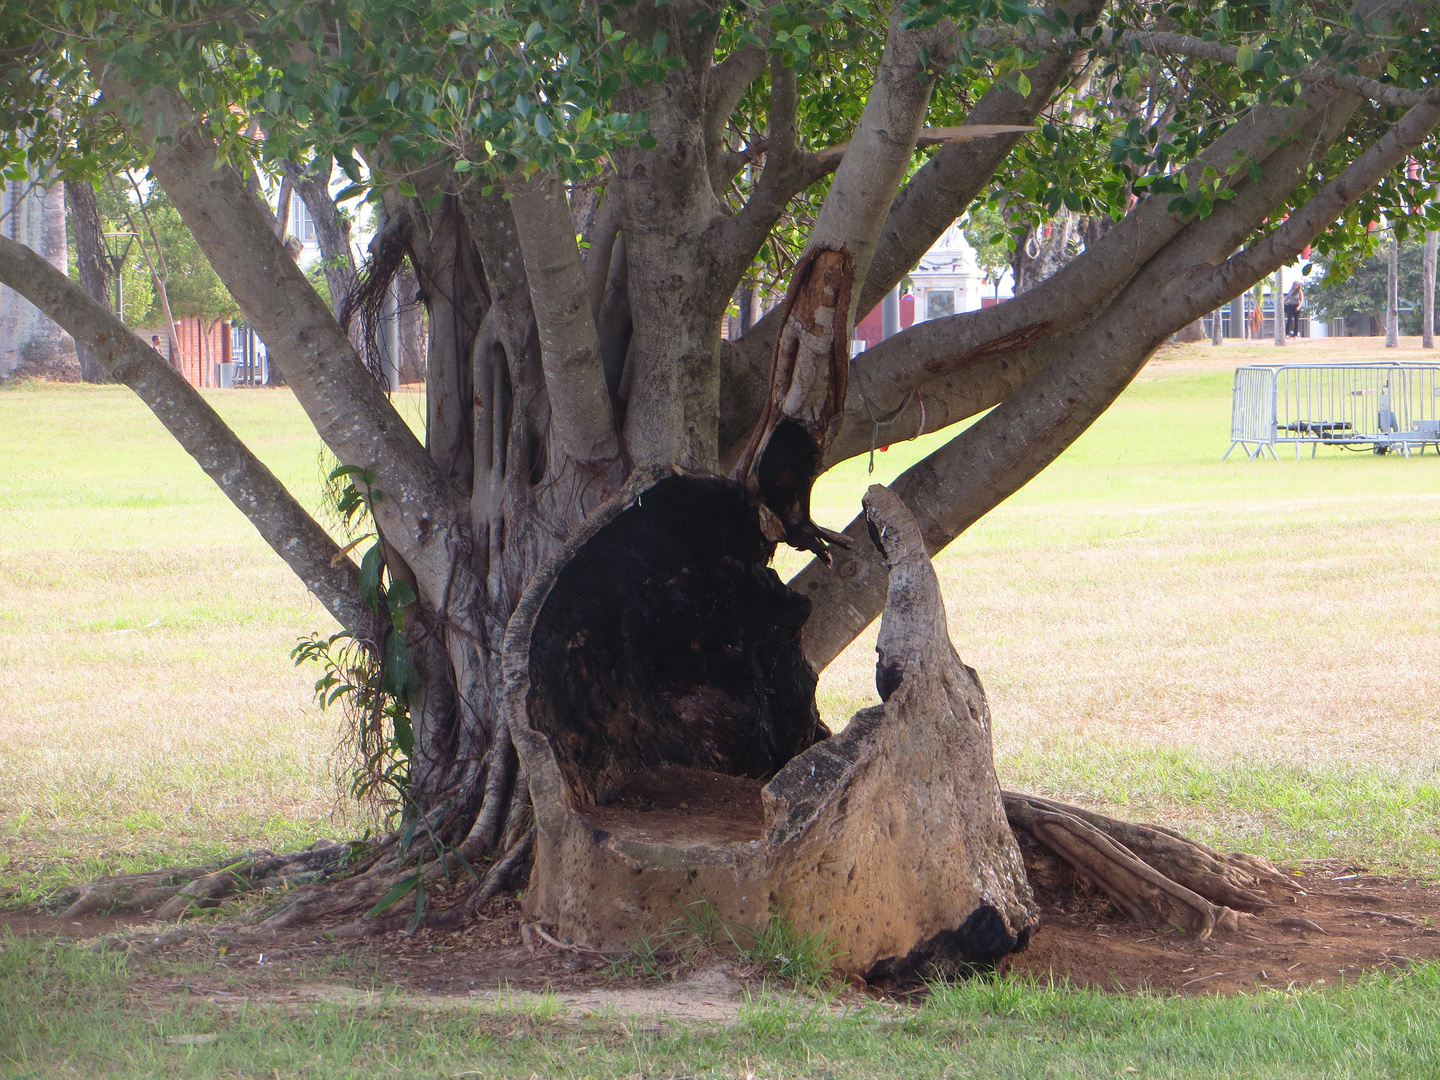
(71, 1013)
(1243, 650)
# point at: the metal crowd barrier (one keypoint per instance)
(1379, 406)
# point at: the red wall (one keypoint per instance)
(870, 329)
(194, 360)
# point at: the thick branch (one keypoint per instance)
(885, 378)
(941, 190)
(89, 260)
(349, 410)
(725, 84)
(283, 523)
(332, 231)
(1291, 237)
(1159, 43)
(879, 152)
(582, 421)
(787, 172)
(987, 463)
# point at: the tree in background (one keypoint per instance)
(194, 289)
(564, 614)
(1359, 285)
(985, 231)
(132, 288)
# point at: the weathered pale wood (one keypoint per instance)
(889, 839)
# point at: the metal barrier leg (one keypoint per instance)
(1315, 449)
(1230, 451)
(1297, 451)
(1273, 456)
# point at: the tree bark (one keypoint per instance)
(91, 261)
(569, 344)
(1427, 318)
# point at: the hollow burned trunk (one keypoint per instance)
(665, 715)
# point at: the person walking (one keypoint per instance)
(1294, 299)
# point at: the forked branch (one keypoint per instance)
(977, 470)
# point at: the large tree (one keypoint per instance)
(567, 607)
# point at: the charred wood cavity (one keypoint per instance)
(660, 702)
(972, 948)
(667, 660)
(785, 475)
(808, 380)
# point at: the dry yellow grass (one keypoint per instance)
(1241, 648)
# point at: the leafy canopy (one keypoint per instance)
(407, 93)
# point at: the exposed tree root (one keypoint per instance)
(173, 892)
(1155, 875)
(331, 884)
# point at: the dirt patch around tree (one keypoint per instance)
(1346, 922)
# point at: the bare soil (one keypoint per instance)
(1345, 923)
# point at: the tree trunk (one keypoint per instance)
(1392, 293)
(332, 230)
(1427, 318)
(90, 259)
(666, 719)
(602, 659)
(1192, 333)
(411, 315)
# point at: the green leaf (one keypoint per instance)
(404, 734)
(370, 567)
(397, 663)
(399, 595)
(398, 892)
(406, 188)
(1244, 57)
(1022, 84)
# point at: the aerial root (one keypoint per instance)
(173, 892)
(1155, 875)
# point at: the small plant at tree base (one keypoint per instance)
(371, 680)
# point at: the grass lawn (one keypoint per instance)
(1244, 650)
(72, 1013)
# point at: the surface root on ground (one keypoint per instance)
(1155, 875)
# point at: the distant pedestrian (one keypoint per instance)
(1294, 300)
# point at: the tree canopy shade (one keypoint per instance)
(580, 190)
